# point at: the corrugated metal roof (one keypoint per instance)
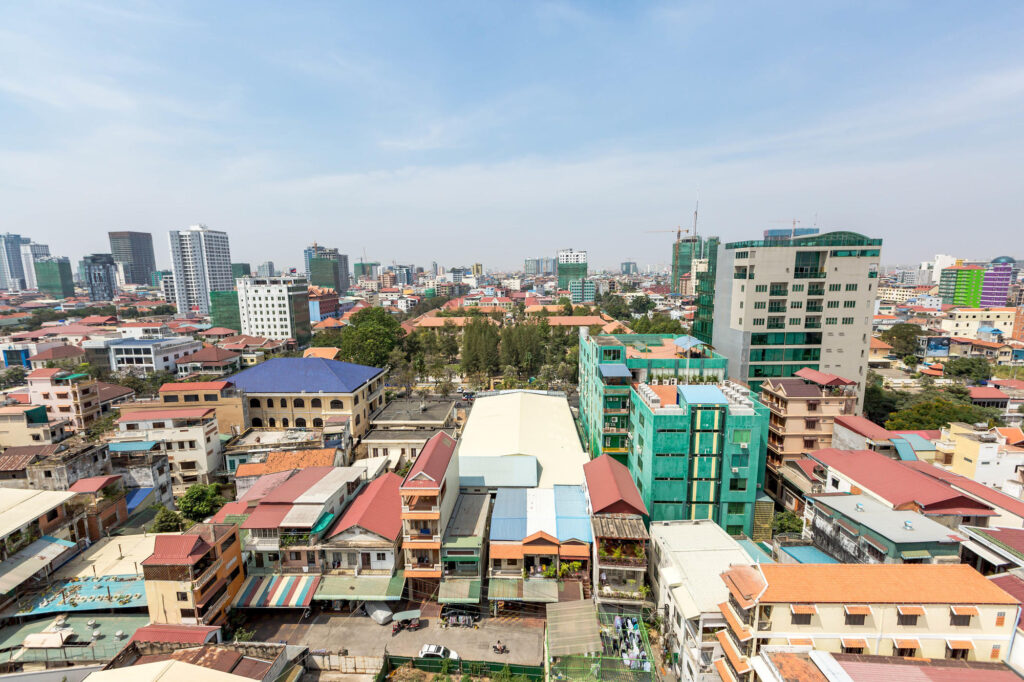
(514, 471)
(133, 446)
(703, 395)
(508, 520)
(540, 511)
(571, 519)
(615, 371)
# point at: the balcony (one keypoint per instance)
(296, 539)
(614, 430)
(209, 572)
(257, 544)
(615, 409)
(612, 389)
(815, 307)
(420, 508)
(627, 554)
(812, 324)
(425, 566)
(214, 608)
(809, 273)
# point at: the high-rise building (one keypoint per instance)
(12, 269)
(134, 252)
(274, 307)
(961, 285)
(628, 267)
(995, 286)
(340, 278)
(200, 263)
(694, 443)
(240, 270)
(684, 252)
(53, 276)
(930, 271)
(572, 265)
(478, 269)
(539, 266)
(30, 252)
(266, 269)
(224, 310)
(403, 275)
(99, 276)
(365, 269)
(784, 303)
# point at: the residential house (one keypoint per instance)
(103, 499)
(620, 549)
(210, 361)
(27, 425)
(192, 578)
(980, 453)
(66, 396)
(463, 551)
(1009, 511)
(687, 559)
(803, 664)
(879, 353)
(935, 611)
(992, 550)
(854, 432)
(247, 474)
(148, 355)
(65, 357)
(429, 492)
(226, 400)
(255, 445)
(163, 652)
(145, 468)
(73, 459)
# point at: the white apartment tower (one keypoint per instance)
(200, 263)
(274, 307)
(782, 304)
(30, 253)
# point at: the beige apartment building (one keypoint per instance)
(66, 395)
(22, 425)
(802, 414)
(912, 610)
(966, 321)
(227, 402)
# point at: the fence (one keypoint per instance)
(334, 661)
(533, 673)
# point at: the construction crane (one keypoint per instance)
(679, 232)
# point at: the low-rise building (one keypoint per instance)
(276, 461)
(228, 402)
(919, 610)
(66, 395)
(146, 356)
(255, 444)
(687, 559)
(429, 492)
(857, 529)
(103, 501)
(210, 361)
(992, 550)
(192, 578)
(64, 357)
(73, 459)
(463, 551)
(188, 435)
(159, 653)
(26, 425)
(803, 664)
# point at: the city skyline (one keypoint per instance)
(358, 127)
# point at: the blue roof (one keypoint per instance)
(919, 443)
(510, 471)
(508, 518)
(989, 330)
(687, 342)
(615, 370)
(808, 554)
(571, 519)
(703, 395)
(755, 552)
(904, 449)
(136, 496)
(309, 375)
(134, 446)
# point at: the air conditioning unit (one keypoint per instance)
(744, 446)
(735, 470)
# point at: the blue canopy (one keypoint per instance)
(615, 370)
(686, 342)
(134, 446)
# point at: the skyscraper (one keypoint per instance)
(325, 253)
(784, 303)
(30, 253)
(266, 269)
(572, 265)
(684, 252)
(12, 270)
(961, 285)
(200, 263)
(53, 276)
(99, 275)
(134, 251)
(995, 286)
(287, 320)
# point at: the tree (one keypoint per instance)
(369, 337)
(879, 403)
(615, 306)
(200, 501)
(911, 360)
(167, 521)
(787, 522)
(480, 347)
(101, 426)
(641, 305)
(972, 369)
(903, 338)
(938, 412)
(657, 324)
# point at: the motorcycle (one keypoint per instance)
(499, 648)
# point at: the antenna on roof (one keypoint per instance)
(695, 209)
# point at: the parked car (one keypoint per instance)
(437, 651)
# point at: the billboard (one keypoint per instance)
(937, 347)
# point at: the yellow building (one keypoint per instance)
(913, 610)
(193, 578)
(229, 403)
(979, 453)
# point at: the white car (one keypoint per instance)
(437, 651)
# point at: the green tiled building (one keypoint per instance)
(53, 276)
(961, 285)
(694, 443)
(224, 310)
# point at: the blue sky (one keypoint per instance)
(490, 131)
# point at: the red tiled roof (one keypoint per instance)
(295, 486)
(267, 516)
(235, 508)
(195, 386)
(209, 354)
(186, 634)
(219, 331)
(807, 465)
(823, 378)
(986, 393)
(57, 353)
(177, 550)
(877, 343)
(970, 487)
(898, 484)
(863, 426)
(1012, 384)
(93, 484)
(611, 488)
(432, 462)
(377, 508)
(179, 413)
(45, 372)
(1014, 586)
(263, 485)
(288, 460)
(106, 391)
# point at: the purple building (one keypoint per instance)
(996, 285)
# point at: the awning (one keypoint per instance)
(574, 551)
(803, 609)
(277, 591)
(985, 553)
(25, 563)
(135, 446)
(361, 587)
(916, 554)
(877, 544)
(801, 641)
(573, 629)
(459, 591)
(506, 551)
(732, 653)
(517, 589)
(741, 631)
(723, 671)
(906, 644)
(615, 370)
(964, 610)
(406, 615)
(960, 644)
(323, 523)
(858, 610)
(854, 643)
(907, 610)
(457, 558)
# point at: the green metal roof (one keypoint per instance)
(459, 591)
(916, 554)
(367, 587)
(517, 589)
(462, 542)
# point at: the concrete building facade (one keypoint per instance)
(200, 263)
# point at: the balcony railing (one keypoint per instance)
(809, 273)
(214, 609)
(208, 573)
(418, 566)
(417, 508)
(258, 544)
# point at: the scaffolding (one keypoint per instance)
(585, 644)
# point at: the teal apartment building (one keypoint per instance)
(694, 443)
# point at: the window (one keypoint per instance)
(170, 398)
(796, 304)
(758, 321)
(959, 621)
(257, 422)
(272, 423)
(381, 556)
(996, 648)
(317, 422)
(737, 484)
(760, 305)
(284, 422)
(741, 436)
(736, 508)
(337, 405)
(800, 619)
(906, 652)
(849, 304)
(832, 304)
(847, 320)
(760, 288)
(284, 403)
(182, 596)
(299, 402)
(1000, 619)
(254, 402)
(831, 320)
(300, 422)
(191, 399)
(956, 653)
(835, 287)
(851, 287)
(315, 402)
(853, 649)
(855, 619)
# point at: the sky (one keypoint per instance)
(463, 132)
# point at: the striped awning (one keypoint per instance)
(277, 591)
